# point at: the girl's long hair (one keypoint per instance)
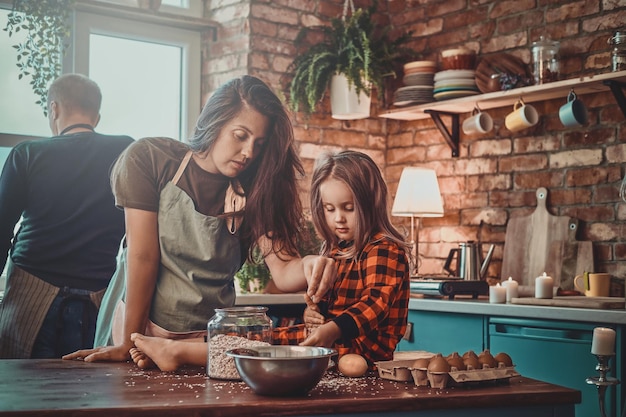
(361, 174)
(273, 206)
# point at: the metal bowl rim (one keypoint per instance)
(324, 353)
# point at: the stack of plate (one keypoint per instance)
(454, 83)
(418, 83)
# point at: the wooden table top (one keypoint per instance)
(63, 388)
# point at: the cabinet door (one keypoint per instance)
(445, 332)
(555, 352)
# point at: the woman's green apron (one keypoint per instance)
(199, 258)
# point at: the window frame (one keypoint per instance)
(86, 23)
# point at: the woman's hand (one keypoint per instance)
(119, 353)
(320, 273)
(312, 316)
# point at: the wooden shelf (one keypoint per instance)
(582, 85)
(612, 81)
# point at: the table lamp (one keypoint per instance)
(417, 196)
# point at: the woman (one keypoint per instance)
(194, 212)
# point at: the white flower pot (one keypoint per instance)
(345, 104)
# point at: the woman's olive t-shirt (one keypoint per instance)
(147, 165)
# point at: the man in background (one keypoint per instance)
(62, 257)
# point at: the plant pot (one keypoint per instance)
(345, 104)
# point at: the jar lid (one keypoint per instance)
(544, 43)
(618, 37)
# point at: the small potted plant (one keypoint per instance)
(354, 47)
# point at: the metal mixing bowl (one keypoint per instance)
(281, 370)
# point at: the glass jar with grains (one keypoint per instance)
(231, 328)
(545, 62)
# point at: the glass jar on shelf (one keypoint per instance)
(618, 54)
(232, 328)
(545, 60)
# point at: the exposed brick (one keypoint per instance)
(604, 231)
(603, 213)
(616, 154)
(509, 7)
(487, 216)
(513, 23)
(509, 41)
(548, 179)
(530, 162)
(605, 21)
(490, 147)
(576, 158)
(489, 182)
(587, 176)
(535, 144)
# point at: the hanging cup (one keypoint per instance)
(478, 122)
(573, 113)
(522, 117)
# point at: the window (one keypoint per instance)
(149, 75)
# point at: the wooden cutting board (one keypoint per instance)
(529, 241)
(603, 303)
(575, 257)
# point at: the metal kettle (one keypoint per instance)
(470, 264)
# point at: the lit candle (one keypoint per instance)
(512, 289)
(497, 294)
(544, 286)
(603, 341)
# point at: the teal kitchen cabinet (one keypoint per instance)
(558, 352)
(444, 333)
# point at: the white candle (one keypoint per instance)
(603, 341)
(497, 294)
(512, 289)
(544, 286)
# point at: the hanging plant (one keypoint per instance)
(353, 45)
(46, 23)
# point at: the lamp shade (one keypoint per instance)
(418, 194)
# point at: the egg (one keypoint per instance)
(456, 361)
(486, 358)
(352, 365)
(421, 363)
(504, 358)
(438, 364)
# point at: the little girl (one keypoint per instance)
(366, 310)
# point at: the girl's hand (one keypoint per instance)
(119, 353)
(324, 336)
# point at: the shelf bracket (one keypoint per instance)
(617, 89)
(451, 137)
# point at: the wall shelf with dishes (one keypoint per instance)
(612, 81)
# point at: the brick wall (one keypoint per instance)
(496, 175)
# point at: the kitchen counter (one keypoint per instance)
(62, 388)
(482, 306)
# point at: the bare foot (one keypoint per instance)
(140, 359)
(155, 350)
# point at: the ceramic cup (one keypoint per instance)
(593, 284)
(478, 122)
(573, 113)
(522, 117)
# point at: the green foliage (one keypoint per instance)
(309, 244)
(39, 56)
(356, 47)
